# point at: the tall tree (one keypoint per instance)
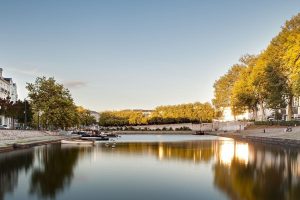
(283, 54)
(52, 103)
(85, 117)
(223, 87)
(243, 94)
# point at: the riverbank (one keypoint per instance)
(18, 139)
(267, 135)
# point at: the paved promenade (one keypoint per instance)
(12, 139)
(267, 135)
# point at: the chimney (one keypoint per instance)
(1, 70)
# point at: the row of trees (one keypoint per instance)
(183, 113)
(268, 80)
(18, 111)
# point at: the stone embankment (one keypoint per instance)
(276, 136)
(15, 139)
(155, 132)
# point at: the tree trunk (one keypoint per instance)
(255, 113)
(290, 108)
(262, 111)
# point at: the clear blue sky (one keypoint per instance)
(134, 53)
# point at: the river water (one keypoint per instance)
(149, 167)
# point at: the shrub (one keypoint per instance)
(278, 123)
(183, 129)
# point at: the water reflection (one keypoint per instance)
(233, 150)
(241, 170)
(196, 152)
(54, 171)
(237, 170)
(10, 166)
(258, 172)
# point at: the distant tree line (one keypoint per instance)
(268, 80)
(183, 113)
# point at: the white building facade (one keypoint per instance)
(261, 115)
(7, 89)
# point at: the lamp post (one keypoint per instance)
(39, 114)
(38, 125)
(25, 113)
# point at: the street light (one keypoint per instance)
(39, 113)
(25, 114)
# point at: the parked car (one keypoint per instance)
(4, 127)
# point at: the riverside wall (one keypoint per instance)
(215, 126)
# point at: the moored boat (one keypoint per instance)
(199, 133)
(96, 138)
(76, 142)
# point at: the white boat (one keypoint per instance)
(76, 142)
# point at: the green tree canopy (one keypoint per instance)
(52, 103)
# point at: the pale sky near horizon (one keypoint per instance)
(134, 54)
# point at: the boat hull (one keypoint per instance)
(95, 138)
(76, 142)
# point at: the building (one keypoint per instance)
(96, 115)
(7, 89)
(146, 113)
(228, 116)
(269, 114)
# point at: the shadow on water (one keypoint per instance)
(10, 166)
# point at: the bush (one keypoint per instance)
(183, 129)
(278, 123)
(131, 128)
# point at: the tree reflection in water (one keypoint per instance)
(10, 166)
(203, 151)
(55, 171)
(241, 170)
(269, 173)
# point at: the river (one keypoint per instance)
(152, 167)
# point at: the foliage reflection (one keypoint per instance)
(10, 166)
(241, 170)
(55, 170)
